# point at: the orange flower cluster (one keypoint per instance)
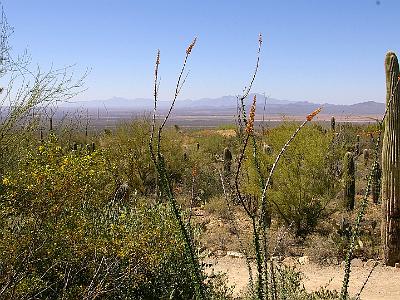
(250, 122)
(189, 49)
(194, 171)
(313, 114)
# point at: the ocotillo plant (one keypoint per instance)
(349, 181)
(391, 165)
(333, 123)
(227, 161)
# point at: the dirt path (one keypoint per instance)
(384, 283)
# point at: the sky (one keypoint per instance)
(326, 51)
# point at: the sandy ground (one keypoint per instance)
(384, 283)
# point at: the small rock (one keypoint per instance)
(235, 254)
(333, 261)
(219, 253)
(275, 259)
(356, 262)
(370, 263)
(397, 265)
(304, 260)
(289, 261)
(343, 264)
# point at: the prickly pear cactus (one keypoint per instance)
(391, 165)
(349, 182)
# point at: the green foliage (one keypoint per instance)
(303, 183)
(64, 235)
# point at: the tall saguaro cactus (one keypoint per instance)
(349, 181)
(333, 123)
(227, 160)
(391, 165)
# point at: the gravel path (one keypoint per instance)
(384, 283)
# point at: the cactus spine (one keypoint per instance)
(227, 160)
(333, 123)
(391, 165)
(349, 182)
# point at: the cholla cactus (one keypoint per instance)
(227, 160)
(267, 149)
(333, 123)
(391, 164)
(349, 182)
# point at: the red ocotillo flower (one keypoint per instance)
(313, 114)
(250, 122)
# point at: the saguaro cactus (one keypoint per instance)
(349, 181)
(391, 165)
(333, 123)
(357, 146)
(366, 156)
(227, 160)
(376, 182)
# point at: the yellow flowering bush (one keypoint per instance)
(66, 235)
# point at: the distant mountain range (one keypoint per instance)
(226, 105)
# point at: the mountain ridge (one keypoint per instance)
(228, 104)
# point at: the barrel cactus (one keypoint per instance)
(349, 182)
(390, 196)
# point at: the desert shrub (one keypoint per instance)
(304, 183)
(218, 206)
(66, 234)
(127, 148)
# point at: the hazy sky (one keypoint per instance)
(315, 50)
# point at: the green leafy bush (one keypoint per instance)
(304, 183)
